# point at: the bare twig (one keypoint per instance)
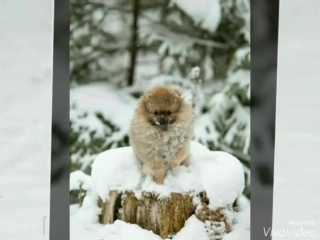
(134, 42)
(195, 77)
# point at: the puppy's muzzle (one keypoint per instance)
(163, 121)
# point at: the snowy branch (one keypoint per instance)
(166, 30)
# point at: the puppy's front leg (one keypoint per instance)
(159, 176)
(158, 172)
(180, 156)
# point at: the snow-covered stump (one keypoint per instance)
(208, 189)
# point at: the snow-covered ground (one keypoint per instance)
(25, 122)
(297, 151)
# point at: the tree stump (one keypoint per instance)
(207, 189)
(164, 216)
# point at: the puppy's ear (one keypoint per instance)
(176, 93)
(146, 101)
(147, 96)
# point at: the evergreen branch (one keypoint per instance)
(168, 33)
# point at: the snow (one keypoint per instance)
(218, 173)
(115, 169)
(222, 177)
(193, 229)
(169, 80)
(89, 211)
(86, 160)
(25, 129)
(113, 23)
(79, 179)
(206, 13)
(241, 230)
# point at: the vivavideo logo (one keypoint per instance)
(295, 231)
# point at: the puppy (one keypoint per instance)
(161, 131)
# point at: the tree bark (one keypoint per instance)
(167, 216)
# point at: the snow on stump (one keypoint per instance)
(209, 189)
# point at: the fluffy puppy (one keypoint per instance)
(161, 131)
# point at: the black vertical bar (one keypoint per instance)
(264, 35)
(59, 197)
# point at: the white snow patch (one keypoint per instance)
(115, 169)
(241, 230)
(79, 178)
(193, 229)
(222, 177)
(122, 230)
(207, 13)
(89, 211)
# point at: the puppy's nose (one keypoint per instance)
(163, 121)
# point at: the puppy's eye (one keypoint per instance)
(156, 113)
(168, 113)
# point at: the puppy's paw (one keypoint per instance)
(158, 179)
(175, 164)
(159, 176)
